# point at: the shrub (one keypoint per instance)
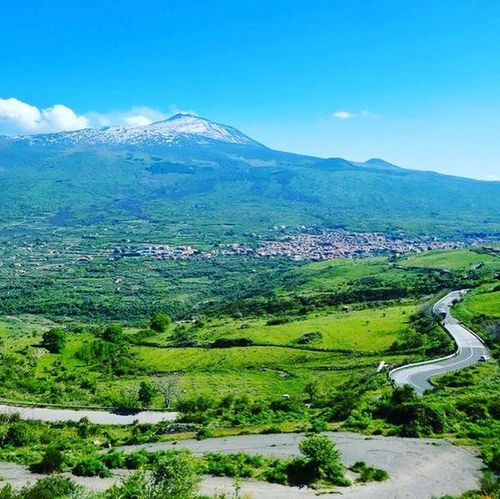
(147, 392)
(231, 342)
(113, 459)
(19, 434)
(368, 473)
(113, 333)
(136, 460)
(322, 460)
(177, 476)
(491, 455)
(53, 487)
(319, 450)
(358, 419)
(308, 338)
(233, 465)
(204, 432)
(91, 467)
(52, 461)
(318, 425)
(160, 322)
(277, 472)
(54, 340)
(300, 471)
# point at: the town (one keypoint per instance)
(322, 245)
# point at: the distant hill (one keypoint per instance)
(191, 170)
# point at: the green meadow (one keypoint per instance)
(452, 259)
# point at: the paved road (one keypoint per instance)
(469, 350)
(96, 417)
(418, 468)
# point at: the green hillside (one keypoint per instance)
(210, 190)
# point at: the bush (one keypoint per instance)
(368, 473)
(160, 322)
(300, 471)
(136, 460)
(491, 455)
(277, 472)
(53, 487)
(358, 419)
(147, 392)
(54, 340)
(91, 467)
(321, 460)
(231, 342)
(19, 434)
(52, 461)
(113, 333)
(308, 338)
(177, 476)
(319, 450)
(113, 459)
(204, 432)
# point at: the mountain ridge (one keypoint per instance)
(189, 168)
(169, 131)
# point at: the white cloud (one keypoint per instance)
(177, 110)
(342, 115)
(347, 115)
(135, 116)
(17, 117)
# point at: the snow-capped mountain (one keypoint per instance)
(179, 129)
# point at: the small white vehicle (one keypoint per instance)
(483, 358)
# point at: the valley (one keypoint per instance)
(185, 282)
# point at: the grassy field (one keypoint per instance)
(336, 274)
(325, 323)
(263, 372)
(453, 260)
(365, 330)
(484, 300)
(480, 310)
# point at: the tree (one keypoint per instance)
(147, 391)
(113, 333)
(54, 340)
(323, 459)
(169, 389)
(160, 322)
(177, 476)
(319, 449)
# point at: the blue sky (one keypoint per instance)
(414, 82)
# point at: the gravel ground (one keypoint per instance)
(96, 417)
(418, 468)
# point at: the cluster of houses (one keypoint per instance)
(305, 246)
(343, 244)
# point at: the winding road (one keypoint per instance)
(469, 351)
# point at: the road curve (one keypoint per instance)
(469, 350)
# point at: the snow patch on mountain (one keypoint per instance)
(177, 129)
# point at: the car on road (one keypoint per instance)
(483, 358)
